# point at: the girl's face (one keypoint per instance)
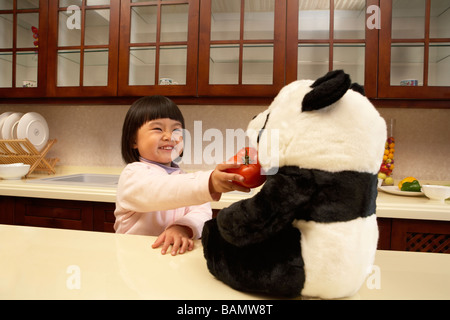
(160, 140)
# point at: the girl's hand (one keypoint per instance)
(221, 181)
(177, 236)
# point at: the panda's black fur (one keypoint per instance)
(258, 244)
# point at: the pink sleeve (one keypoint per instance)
(143, 189)
(194, 218)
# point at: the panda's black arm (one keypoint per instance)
(267, 213)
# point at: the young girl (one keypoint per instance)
(154, 197)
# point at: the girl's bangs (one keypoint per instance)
(158, 107)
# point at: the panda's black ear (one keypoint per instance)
(358, 88)
(326, 90)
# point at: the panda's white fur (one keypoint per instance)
(338, 256)
(343, 136)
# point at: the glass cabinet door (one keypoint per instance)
(158, 47)
(326, 35)
(22, 47)
(439, 46)
(242, 47)
(84, 50)
(415, 49)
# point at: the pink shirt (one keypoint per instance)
(149, 199)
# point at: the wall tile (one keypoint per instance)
(90, 135)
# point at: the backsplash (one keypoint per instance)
(90, 135)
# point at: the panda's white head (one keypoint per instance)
(328, 124)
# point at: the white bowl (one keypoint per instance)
(436, 192)
(13, 171)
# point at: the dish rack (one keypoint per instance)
(22, 150)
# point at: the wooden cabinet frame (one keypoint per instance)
(190, 88)
(370, 41)
(242, 90)
(386, 90)
(420, 236)
(61, 214)
(113, 54)
(414, 235)
(40, 90)
(197, 89)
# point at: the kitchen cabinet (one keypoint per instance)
(54, 213)
(410, 46)
(83, 48)
(414, 49)
(414, 235)
(384, 233)
(23, 47)
(328, 35)
(420, 236)
(6, 210)
(104, 216)
(242, 47)
(158, 48)
(63, 214)
(205, 51)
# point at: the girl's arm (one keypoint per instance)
(195, 217)
(191, 225)
(141, 189)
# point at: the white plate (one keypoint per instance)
(395, 190)
(9, 126)
(33, 127)
(3, 117)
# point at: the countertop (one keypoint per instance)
(22, 188)
(388, 206)
(45, 263)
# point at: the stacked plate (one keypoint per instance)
(31, 125)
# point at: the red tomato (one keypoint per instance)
(250, 168)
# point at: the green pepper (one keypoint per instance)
(411, 186)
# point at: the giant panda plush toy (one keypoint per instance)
(311, 230)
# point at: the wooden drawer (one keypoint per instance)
(104, 217)
(420, 235)
(6, 210)
(63, 214)
(384, 229)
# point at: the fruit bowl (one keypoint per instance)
(435, 192)
(13, 171)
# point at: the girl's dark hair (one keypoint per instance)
(141, 111)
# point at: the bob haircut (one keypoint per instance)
(141, 111)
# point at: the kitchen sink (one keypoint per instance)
(81, 179)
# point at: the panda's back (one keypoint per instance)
(338, 256)
(339, 232)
